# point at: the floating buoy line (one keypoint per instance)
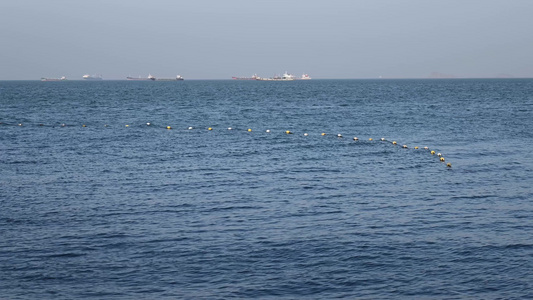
(339, 135)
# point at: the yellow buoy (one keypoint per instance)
(394, 142)
(83, 125)
(449, 165)
(168, 127)
(432, 152)
(323, 133)
(370, 139)
(416, 147)
(249, 129)
(209, 128)
(288, 132)
(442, 159)
(127, 125)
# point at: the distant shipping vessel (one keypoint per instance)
(285, 77)
(254, 77)
(179, 77)
(54, 79)
(93, 77)
(150, 77)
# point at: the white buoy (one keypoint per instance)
(305, 134)
(190, 127)
(148, 124)
(229, 128)
(268, 130)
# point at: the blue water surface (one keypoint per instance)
(97, 204)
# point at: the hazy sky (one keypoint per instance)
(215, 39)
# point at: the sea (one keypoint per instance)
(229, 189)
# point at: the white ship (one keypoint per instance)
(285, 77)
(54, 79)
(92, 77)
(150, 77)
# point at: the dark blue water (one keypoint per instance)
(110, 211)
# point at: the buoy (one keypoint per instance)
(104, 125)
(323, 133)
(63, 125)
(190, 127)
(449, 165)
(268, 130)
(83, 125)
(404, 146)
(439, 155)
(127, 125)
(288, 132)
(394, 142)
(305, 134)
(442, 159)
(148, 124)
(229, 128)
(168, 127)
(382, 139)
(249, 129)
(20, 124)
(426, 148)
(370, 139)
(355, 138)
(209, 128)
(339, 135)
(432, 152)
(416, 147)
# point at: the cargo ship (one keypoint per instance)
(92, 77)
(150, 77)
(254, 77)
(285, 77)
(54, 79)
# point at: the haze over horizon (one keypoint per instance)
(209, 39)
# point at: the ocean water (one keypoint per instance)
(97, 204)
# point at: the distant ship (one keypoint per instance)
(254, 77)
(150, 77)
(179, 77)
(285, 77)
(54, 79)
(93, 77)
